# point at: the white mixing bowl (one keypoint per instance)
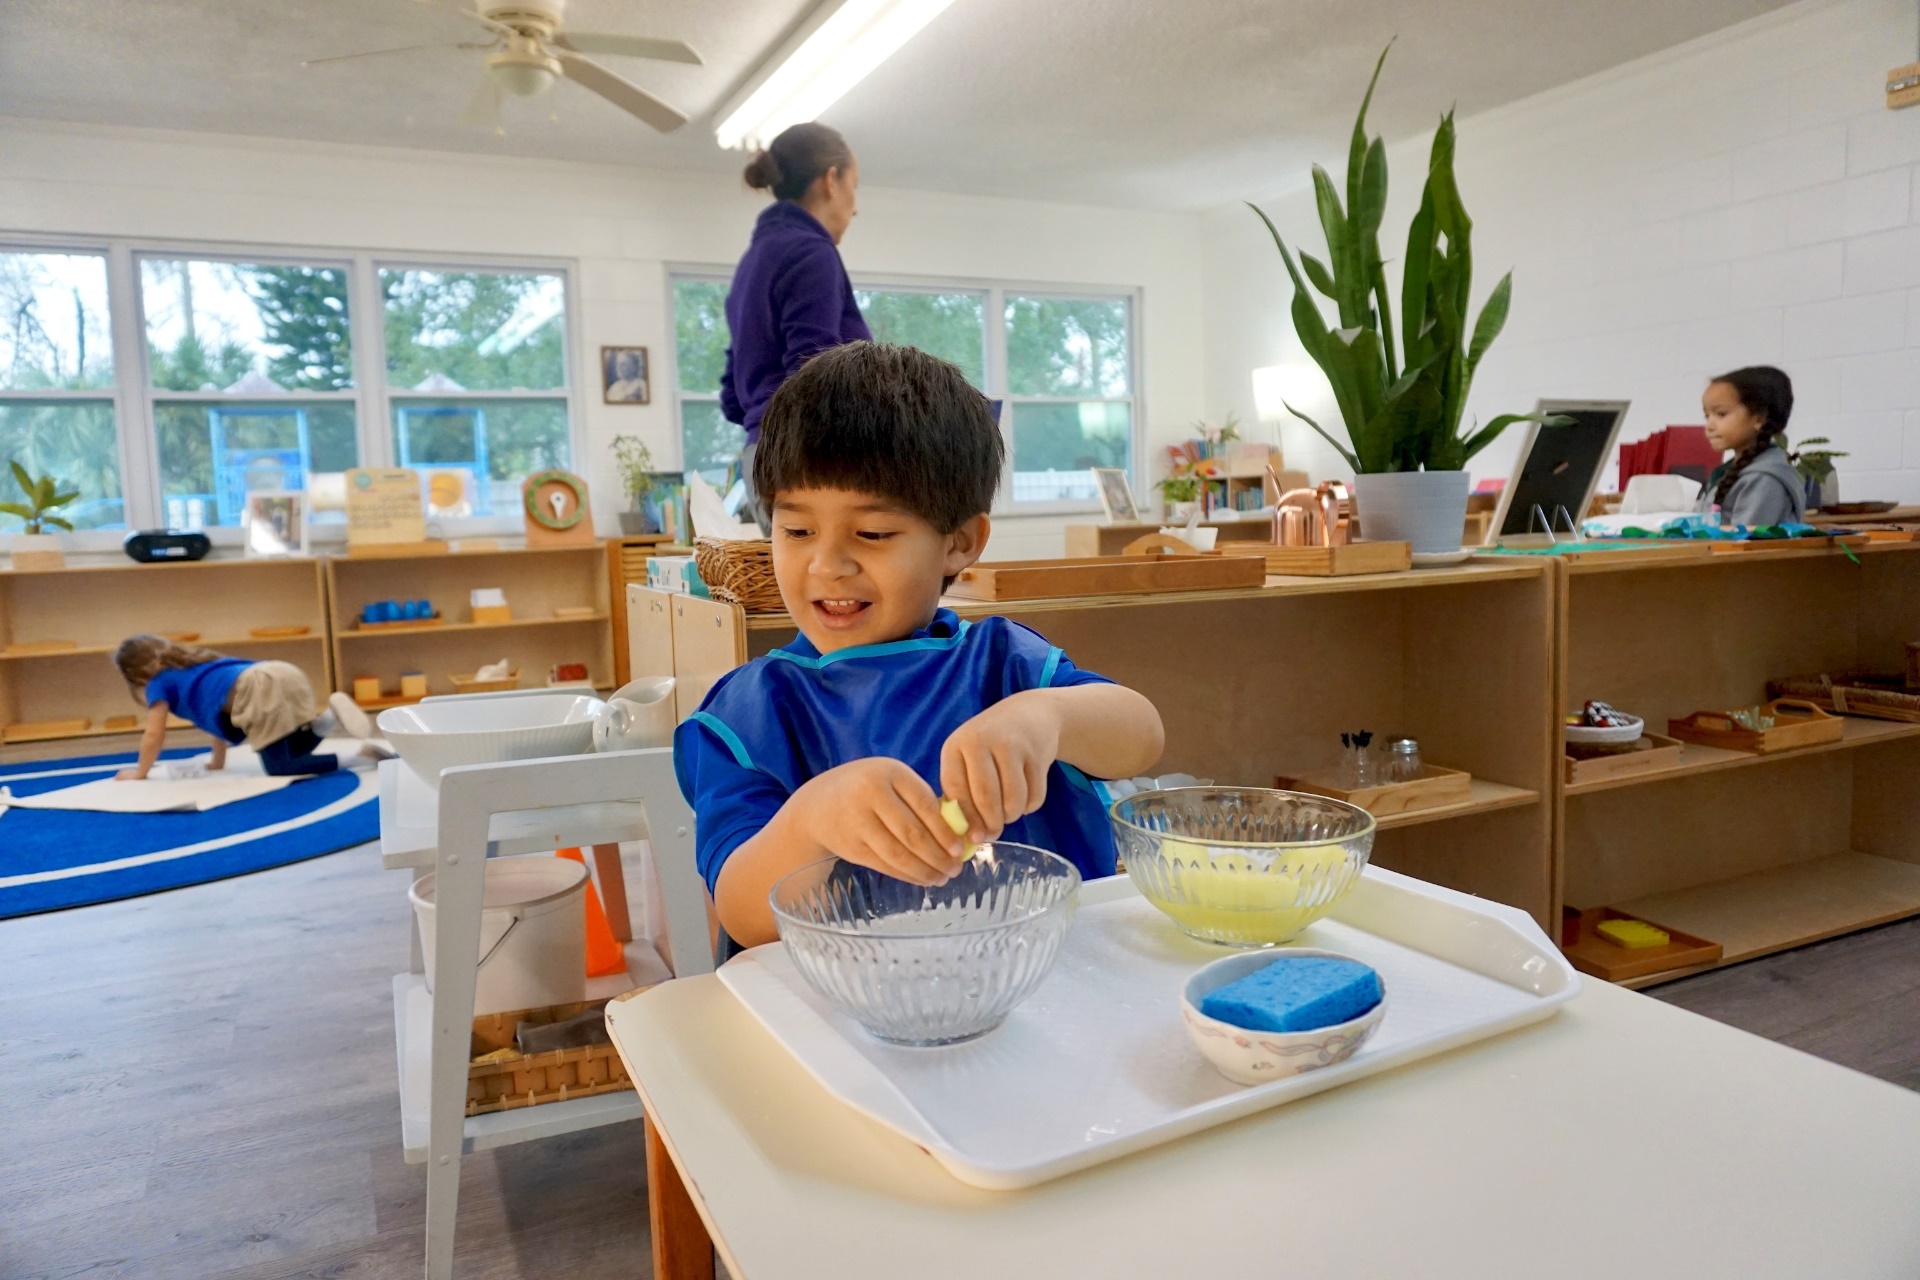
(431, 736)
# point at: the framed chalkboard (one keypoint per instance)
(1559, 467)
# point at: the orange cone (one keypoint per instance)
(604, 954)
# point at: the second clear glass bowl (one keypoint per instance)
(928, 966)
(1244, 866)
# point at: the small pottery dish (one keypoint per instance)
(1260, 1057)
(1625, 735)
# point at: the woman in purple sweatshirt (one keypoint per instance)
(791, 298)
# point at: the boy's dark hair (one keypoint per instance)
(885, 420)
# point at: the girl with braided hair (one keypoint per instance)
(1747, 412)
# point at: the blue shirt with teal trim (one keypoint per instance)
(772, 725)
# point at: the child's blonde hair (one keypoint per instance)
(142, 657)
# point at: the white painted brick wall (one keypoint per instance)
(1743, 199)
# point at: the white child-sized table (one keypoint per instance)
(482, 811)
(1620, 1138)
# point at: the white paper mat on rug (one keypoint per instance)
(242, 779)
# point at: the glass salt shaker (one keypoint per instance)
(1403, 760)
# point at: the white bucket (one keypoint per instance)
(533, 933)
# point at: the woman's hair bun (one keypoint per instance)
(763, 171)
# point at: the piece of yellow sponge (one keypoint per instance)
(950, 810)
(1634, 935)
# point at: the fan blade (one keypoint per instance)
(628, 97)
(626, 46)
(483, 109)
(381, 53)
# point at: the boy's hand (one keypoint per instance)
(996, 764)
(881, 814)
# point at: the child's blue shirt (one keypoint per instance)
(198, 694)
(773, 724)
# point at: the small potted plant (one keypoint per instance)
(1403, 406)
(1816, 469)
(34, 547)
(1180, 491)
(635, 461)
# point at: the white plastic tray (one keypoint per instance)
(1096, 1064)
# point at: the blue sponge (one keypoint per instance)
(1295, 993)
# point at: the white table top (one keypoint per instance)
(1622, 1138)
(410, 821)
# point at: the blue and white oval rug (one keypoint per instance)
(56, 858)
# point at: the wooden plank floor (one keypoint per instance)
(200, 1084)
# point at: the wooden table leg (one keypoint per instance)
(682, 1250)
(613, 890)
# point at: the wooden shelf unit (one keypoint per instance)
(97, 606)
(536, 581)
(1757, 853)
(1262, 681)
(627, 558)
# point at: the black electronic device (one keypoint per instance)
(157, 546)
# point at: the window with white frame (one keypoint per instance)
(57, 384)
(1063, 363)
(165, 382)
(476, 378)
(250, 378)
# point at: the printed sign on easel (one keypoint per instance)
(384, 508)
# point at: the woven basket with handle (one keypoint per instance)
(739, 572)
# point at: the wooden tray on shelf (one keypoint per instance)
(1329, 562)
(400, 624)
(1653, 751)
(1593, 955)
(1759, 546)
(1434, 787)
(280, 633)
(1799, 723)
(495, 684)
(41, 730)
(33, 648)
(1106, 576)
(1879, 697)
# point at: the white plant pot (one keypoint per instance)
(38, 551)
(1425, 508)
(1178, 512)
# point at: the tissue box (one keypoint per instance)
(675, 573)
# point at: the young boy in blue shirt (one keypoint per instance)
(879, 464)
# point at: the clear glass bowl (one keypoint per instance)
(928, 966)
(1244, 866)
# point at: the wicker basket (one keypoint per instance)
(739, 572)
(1880, 697)
(531, 1079)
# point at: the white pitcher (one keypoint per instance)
(639, 714)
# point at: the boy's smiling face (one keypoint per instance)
(857, 568)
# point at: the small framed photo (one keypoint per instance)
(1116, 495)
(274, 522)
(624, 377)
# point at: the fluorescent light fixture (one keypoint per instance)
(840, 42)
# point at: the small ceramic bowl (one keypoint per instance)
(1261, 1057)
(1588, 735)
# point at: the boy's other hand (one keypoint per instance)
(996, 764)
(879, 813)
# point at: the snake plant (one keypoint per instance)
(42, 497)
(1399, 417)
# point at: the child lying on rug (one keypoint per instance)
(267, 705)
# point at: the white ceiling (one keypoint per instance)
(1175, 104)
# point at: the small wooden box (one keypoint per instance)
(1435, 786)
(366, 689)
(413, 684)
(1330, 562)
(493, 613)
(496, 684)
(1798, 723)
(37, 731)
(1592, 954)
(1653, 751)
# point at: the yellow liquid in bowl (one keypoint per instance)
(1235, 898)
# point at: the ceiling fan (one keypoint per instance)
(531, 48)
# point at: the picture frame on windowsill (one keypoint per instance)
(1116, 495)
(274, 523)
